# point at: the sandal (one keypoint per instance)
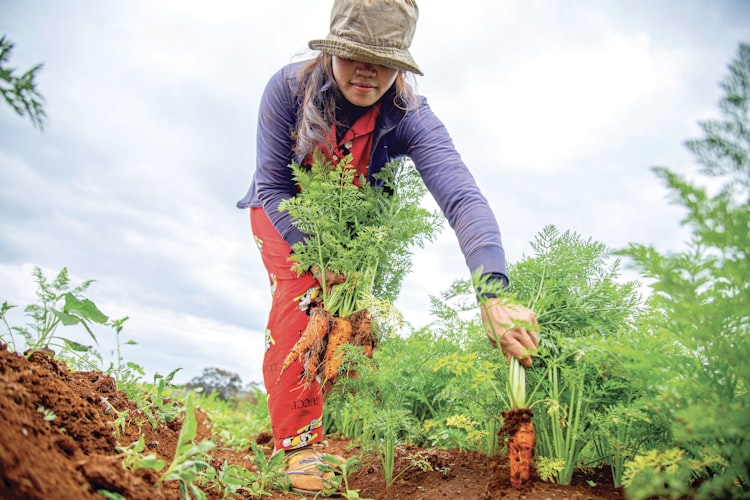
(301, 467)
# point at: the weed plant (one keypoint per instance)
(340, 482)
(57, 304)
(235, 481)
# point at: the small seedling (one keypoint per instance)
(49, 415)
(346, 468)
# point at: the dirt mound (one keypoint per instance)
(56, 434)
(57, 440)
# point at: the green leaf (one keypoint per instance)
(84, 308)
(189, 425)
(111, 495)
(75, 346)
(140, 445)
(150, 462)
(65, 318)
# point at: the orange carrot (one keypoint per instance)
(517, 423)
(363, 336)
(314, 361)
(311, 368)
(340, 334)
(521, 451)
(317, 328)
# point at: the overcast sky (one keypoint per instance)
(559, 108)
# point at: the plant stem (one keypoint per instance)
(516, 384)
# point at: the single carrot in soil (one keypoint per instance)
(317, 328)
(520, 430)
(340, 334)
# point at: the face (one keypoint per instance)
(362, 83)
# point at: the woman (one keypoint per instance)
(353, 99)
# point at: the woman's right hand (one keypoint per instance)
(331, 278)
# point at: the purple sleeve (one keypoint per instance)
(273, 182)
(450, 182)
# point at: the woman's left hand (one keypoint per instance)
(329, 278)
(515, 327)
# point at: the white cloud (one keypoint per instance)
(565, 101)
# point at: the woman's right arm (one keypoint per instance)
(273, 177)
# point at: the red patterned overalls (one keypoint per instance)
(297, 412)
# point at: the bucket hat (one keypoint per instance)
(372, 31)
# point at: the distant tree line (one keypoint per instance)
(226, 384)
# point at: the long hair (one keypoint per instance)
(317, 111)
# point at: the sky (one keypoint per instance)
(559, 108)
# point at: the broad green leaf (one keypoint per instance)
(85, 308)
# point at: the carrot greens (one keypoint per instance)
(365, 232)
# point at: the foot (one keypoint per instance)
(301, 467)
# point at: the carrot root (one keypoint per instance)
(521, 451)
(316, 329)
(314, 360)
(340, 334)
(517, 424)
(363, 334)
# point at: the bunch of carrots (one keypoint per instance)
(319, 346)
(362, 230)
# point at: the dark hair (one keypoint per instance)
(316, 112)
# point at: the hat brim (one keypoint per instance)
(390, 57)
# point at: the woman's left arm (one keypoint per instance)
(450, 182)
(427, 142)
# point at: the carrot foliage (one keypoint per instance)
(365, 232)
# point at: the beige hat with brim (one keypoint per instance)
(372, 31)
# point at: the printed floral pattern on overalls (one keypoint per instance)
(268, 340)
(304, 435)
(308, 300)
